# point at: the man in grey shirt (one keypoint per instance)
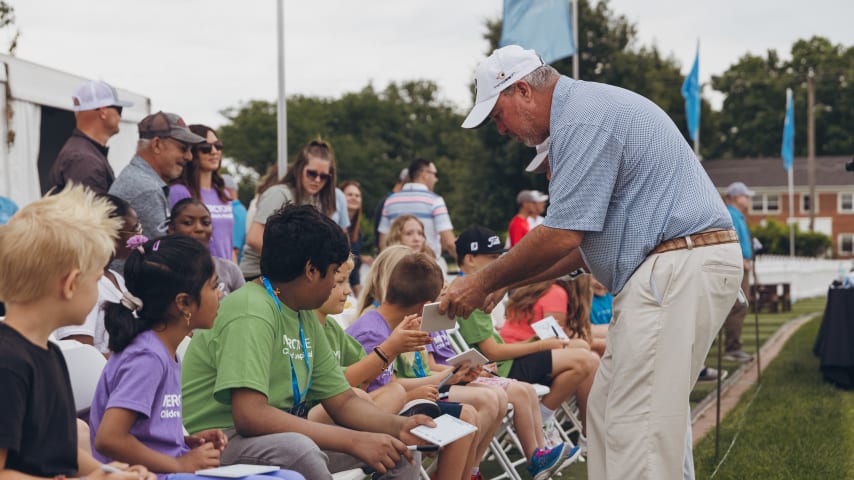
(163, 150)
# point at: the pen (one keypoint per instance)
(554, 330)
(422, 448)
(448, 377)
(490, 372)
(109, 469)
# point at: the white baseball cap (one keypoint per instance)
(96, 94)
(537, 164)
(500, 70)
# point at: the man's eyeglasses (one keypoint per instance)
(314, 175)
(181, 145)
(117, 108)
(208, 147)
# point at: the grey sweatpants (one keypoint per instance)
(298, 452)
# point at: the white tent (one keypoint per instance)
(37, 120)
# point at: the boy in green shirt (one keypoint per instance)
(252, 373)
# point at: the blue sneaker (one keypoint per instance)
(549, 461)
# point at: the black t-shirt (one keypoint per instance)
(37, 416)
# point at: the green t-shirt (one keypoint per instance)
(250, 346)
(347, 350)
(477, 328)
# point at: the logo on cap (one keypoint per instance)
(493, 241)
(500, 76)
(473, 246)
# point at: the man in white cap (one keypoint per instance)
(737, 202)
(83, 158)
(530, 202)
(629, 199)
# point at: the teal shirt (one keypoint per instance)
(743, 233)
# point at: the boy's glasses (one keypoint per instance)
(314, 175)
(208, 147)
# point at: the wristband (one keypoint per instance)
(382, 356)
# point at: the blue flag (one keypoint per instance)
(788, 150)
(544, 26)
(691, 93)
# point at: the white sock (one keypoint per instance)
(475, 471)
(546, 413)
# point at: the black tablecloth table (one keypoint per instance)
(835, 342)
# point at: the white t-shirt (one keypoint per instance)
(94, 324)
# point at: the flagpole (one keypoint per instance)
(282, 109)
(573, 5)
(791, 215)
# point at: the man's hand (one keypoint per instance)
(378, 450)
(465, 296)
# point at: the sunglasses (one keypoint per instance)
(314, 175)
(181, 145)
(117, 108)
(208, 147)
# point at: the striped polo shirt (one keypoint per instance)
(624, 175)
(417, 200)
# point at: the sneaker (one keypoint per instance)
(709, 374)
(548, 461)
(552, 434)
(738, 356)
(420, 406)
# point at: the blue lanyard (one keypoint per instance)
(298, 395)
(419, 368)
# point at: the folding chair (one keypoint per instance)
(85, 364)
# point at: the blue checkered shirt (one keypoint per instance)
(623, 174)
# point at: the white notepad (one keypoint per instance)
(549, 328)
(448, 429)
(238, 470)
(433, 321)
(474, 358)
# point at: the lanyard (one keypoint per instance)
(298, 395)
(419, 368)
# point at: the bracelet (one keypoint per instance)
(382, 356)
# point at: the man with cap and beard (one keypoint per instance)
(161, 153)
(628, 198)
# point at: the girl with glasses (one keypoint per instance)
(201, 180)
(310, 180)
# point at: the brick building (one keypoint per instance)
(834, 189)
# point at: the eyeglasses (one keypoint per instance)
(208, 147)
(314, 175)
(183, 146)
(117, 108)
(135, 230)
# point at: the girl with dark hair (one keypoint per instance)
(191, 217)
(201, 180)
(111, 286)
(310, 180)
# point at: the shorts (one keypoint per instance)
(533, 368)
(451, 408)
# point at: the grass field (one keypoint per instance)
(791, 372)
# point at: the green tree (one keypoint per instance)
(775, 240)
(751, 120)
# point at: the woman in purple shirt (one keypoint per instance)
(201, 180)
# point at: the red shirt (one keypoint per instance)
(516, 329)
(518, 228)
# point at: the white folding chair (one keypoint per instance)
(85, 364)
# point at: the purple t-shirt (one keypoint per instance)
(371, 330)
(222, 218)
(143, 378)
(441, 347)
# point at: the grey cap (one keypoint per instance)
(738, 188)
(531, 196)
(163, 124)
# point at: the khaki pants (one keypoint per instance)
(735, 320)
(665, 320)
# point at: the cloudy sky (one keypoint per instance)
(197, 57)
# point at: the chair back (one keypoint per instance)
(85, 364)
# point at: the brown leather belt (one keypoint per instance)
(703, 239)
